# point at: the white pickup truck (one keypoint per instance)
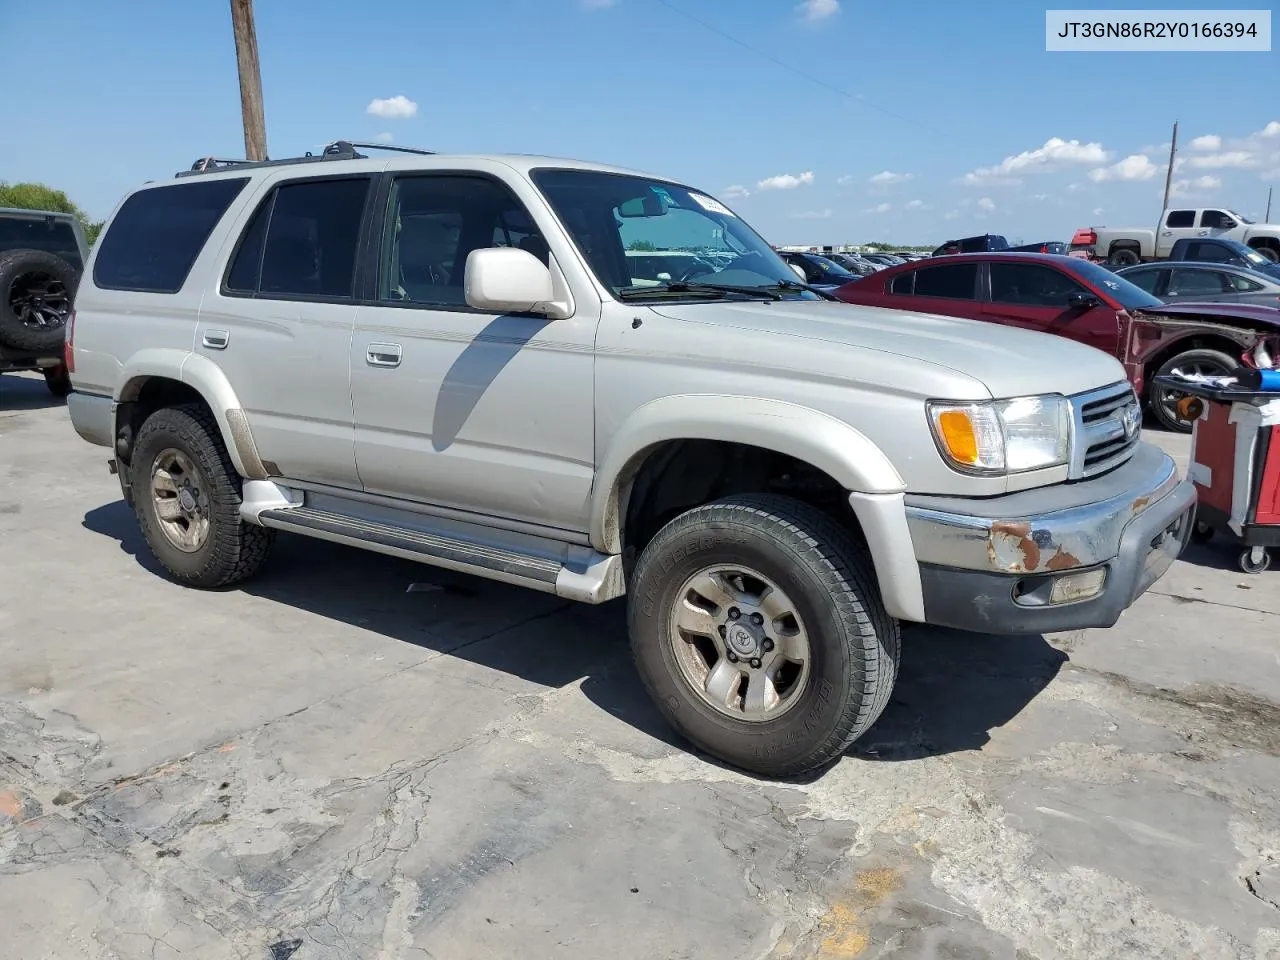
(1123, 246)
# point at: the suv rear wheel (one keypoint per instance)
(186, 495)
(758, 630)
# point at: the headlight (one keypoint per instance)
(1003, 436)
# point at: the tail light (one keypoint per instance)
(69, 345)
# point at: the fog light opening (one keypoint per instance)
(1074, 587)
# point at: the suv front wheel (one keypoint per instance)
(186, 495)
(759, 632)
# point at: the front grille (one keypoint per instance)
(1105, 429)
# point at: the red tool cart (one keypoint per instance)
(1235, 465)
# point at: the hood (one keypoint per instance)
(1006, 360)
(1200, 310)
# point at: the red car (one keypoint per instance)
(1083, 301)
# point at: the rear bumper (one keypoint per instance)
(93, 417)
(991, 565)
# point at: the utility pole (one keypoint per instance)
(1267, 218)
(255, 126)
(1168, 178)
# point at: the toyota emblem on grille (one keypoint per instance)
(1131, 419)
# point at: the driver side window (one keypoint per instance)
(1216, 220)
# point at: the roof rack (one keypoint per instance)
(337, 150)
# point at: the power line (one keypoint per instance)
(786, 66)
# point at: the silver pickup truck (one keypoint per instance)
(447, 359)
(1124, 246)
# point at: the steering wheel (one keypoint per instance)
(699, 268)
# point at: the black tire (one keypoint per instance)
(1271, 253)
(1124, 257)
(36, 293)
(57, 380)
(1161, 400)
(854, 643)
(233, 550)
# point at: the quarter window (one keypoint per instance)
(904, 284)
(1026, 285)
(156, 235)
(434, 222)
(1242, 284)
(955, 281)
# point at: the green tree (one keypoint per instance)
(642, 245)
(37, 196)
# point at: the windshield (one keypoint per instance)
(831, 269)
(642, 235)
(1129, 295)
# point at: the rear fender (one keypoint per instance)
(208, 380)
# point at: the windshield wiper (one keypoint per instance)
(797, 285)
(694, 286)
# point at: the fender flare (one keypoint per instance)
(207, 379)
(830, 445)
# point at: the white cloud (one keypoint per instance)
(384, 137)
(812, 215)
(986, 203)
(879, 208)
(1237, 159)
(1073, 187)
(393, 108)
(811, 11)
(737, 191)
(1097, 211)
(844, 181)
(951, 215)
(1272, 129)
(1040, 196)
(1210, 141)
(915, 205)
(1055, 154)
(786, 181)
(1194, 187)
(886, 177)
(1136, 166)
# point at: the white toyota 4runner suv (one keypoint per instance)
(444, 358)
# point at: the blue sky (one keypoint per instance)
(951, 118)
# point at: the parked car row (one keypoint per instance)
(1126, 246)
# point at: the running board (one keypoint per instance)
(587, 576)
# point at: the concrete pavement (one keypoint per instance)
(354, 756)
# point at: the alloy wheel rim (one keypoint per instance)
(40, 301)
(740, 643)
(180, 499)
(1169, 397)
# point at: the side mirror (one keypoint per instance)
(508, 280)
(799, 270)
(1082, 301)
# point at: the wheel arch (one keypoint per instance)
(181, 376)
(814, 438)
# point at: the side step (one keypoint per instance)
(593, 578)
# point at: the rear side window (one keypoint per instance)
(50, 234)
(302, 242)
(1210, 252)
(157, 234)
(955, 281)
(1197, 283)
(1181, 218)
(1242, 284)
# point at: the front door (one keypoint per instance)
(1040, 298)
(454, 407)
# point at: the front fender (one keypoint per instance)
(206, 378)
(816, 438)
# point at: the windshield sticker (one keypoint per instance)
(664, 197)
(1111, 283)
(706, 203)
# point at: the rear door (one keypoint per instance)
(950, 289)
(280, 325)
(1039, 297)
(1177, 224)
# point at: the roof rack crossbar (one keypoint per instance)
(337, 150)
